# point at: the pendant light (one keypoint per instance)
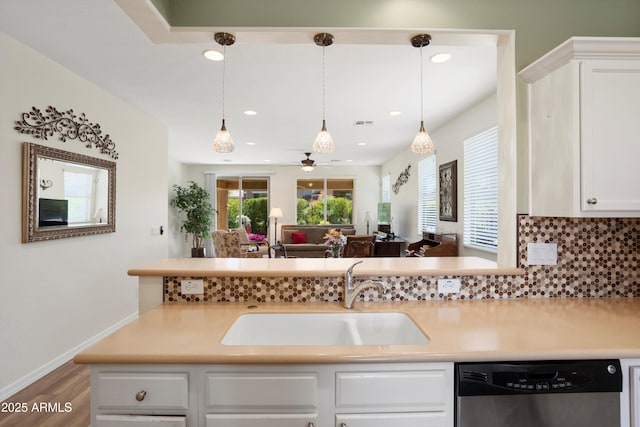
(308, 164)
(223, 143)
(323, 143)
(422, 143)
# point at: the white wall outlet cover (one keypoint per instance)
(542, 253)
(448, 286)
(192, 286)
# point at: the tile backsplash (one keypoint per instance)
(597, 257)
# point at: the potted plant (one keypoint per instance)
(194, 202)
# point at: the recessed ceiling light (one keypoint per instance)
(394, 113)
(362, 143)
(349, 160)
(251, 143)
(250, 113)
(441, 57)
(213, 55)
(267, 160)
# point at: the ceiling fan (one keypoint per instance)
(308, 164)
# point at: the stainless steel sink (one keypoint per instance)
(306, 329)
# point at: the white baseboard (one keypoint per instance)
(35, 375)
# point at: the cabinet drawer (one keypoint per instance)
(424, 419)
(392, 391)
(142, 390)
(139, 421)
(262, 420)
(270, 392)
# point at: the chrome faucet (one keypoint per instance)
(351, 292)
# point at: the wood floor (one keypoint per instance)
(59, 399)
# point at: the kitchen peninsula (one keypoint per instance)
(173, 366)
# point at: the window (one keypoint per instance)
(386, 188)
(242, 202)
(427, 194)
(324, 201)
(481, 191)
(78, 189)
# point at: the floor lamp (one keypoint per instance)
(367, 218)
(275, 214)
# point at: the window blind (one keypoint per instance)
(427, 194)
(386, 188)
(481, 191)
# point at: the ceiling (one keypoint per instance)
(368, 74)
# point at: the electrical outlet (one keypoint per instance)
(448, 286)
(190, 287)
(542, 253)
(155, 231)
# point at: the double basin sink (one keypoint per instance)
(324, 329)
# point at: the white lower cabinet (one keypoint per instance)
(420, 419)
(139, 421)
(630, 396)
(262, 420)
(346, 395)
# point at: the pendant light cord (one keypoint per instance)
(224, 66)
(323, 91)
(421, 87)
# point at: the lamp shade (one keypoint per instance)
(367, 216)
(275, 213)
(422, 143)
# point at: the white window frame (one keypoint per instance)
(427, 195)
(481, 191)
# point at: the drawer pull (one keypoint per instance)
(141, 395)
(343, 424)
(592, 201)
(310, 424)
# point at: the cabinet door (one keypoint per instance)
(635, 396)
(139, 421)
(416, 419)
(261, 420)
(610, 125)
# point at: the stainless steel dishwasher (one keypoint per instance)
(577, 393)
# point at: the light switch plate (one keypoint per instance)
(542, 253)
(190, 287)
(448, 286)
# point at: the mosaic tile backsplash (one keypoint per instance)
(597, 257)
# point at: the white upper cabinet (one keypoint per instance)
(584, 129)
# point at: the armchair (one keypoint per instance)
(227, 245)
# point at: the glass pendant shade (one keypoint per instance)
(223, 143)
(323, 143)
(422, 143)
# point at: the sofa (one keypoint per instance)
(307, 241)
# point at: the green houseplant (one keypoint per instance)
(194, 203)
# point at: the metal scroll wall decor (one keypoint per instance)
(402, 179)
(68, 125)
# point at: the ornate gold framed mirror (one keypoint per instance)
(66, 194)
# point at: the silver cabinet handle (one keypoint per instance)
(343, 424)
(310, 424)
(141, 395)
(592, 201)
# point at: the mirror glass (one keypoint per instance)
(66, 194)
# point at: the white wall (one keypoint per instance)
(448, 141)
(59, 294)
(282, 181)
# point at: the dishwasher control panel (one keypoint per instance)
(538, 377)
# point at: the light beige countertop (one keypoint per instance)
(325, 267)
(483, 330)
